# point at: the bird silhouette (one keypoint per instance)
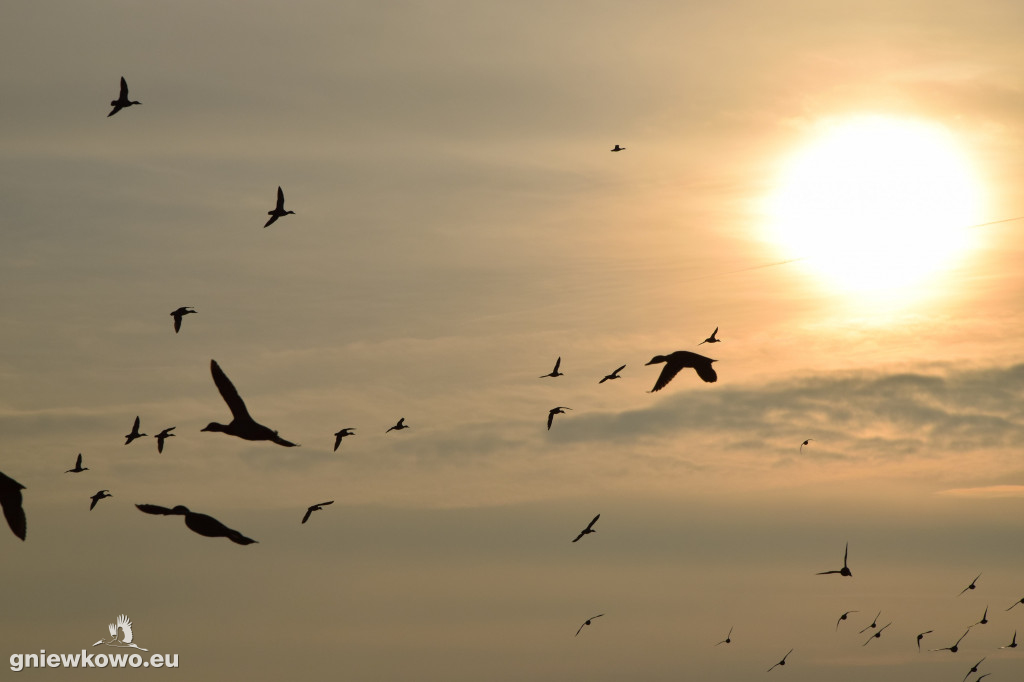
(711, 339)
(617, 148)
(972, 586)
(674, 362)
(135, 433)
(874, 624)
(553, 411)
(127, 635)
(399, 426)
(589, 529)
(984, 618)
(586, 623)
(178, 314)
(78, 466)
(10, 501)
(554, 372)
(844, 571)
(843, 617)
(806, 442)
(102, 494)
(1011, 645)
(122, 100)
(199, 523)
(877, 634)
(162, 436)
(974, 669)
(341, 434)
(613, 375)
(279, 209)
(241, 425)
(728, 638)
(921, 636)
(315, 507)
(1019, 601)
(955, 647)
(782, 662)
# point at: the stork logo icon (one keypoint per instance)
(125, 625)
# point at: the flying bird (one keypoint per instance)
(1019, 601)
(972, 586)
(843, 617)
(617, 148)
(1011, 645)
(921, 636)
(178, 314)
(199, 523)
(782, 662)
(10, 500)
(589, 529)
(877, 634)
(554, 372)
(341, 434)
(135, 433)
(974, 669)
(279, 209)
(399, 426)
(241, 425)
(162, 436)
(613, 375)
(315, 507)
(711, 339)
(955, 647)
(806, 442)
(874, 624)
(674, 362)
(78, 466)
(553, 411)
(844, 571)
(984, 618)
(97, 497)
(586, 623)
(122, 100)
(728, 638)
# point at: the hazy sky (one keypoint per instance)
(460, 223)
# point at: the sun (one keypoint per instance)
(876, 204)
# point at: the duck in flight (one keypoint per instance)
(162, 436)
(553, 411)
(135, 433)
(877, 634)
(99, 496)
(613, 375)
(78, 466)
(589, 529)
(241, 425)
(845, 570)
(586, 623)
(972, 586)
(974, 669)
(806, 442)
(399, 426)
(122, 100)
(180, 313)
(843, 617)
(341, 434)
(1011, 645)
(920, 636)
(315, 507)
(675, 362)
(554, 372)
(279, 209)
(955, 647)
(874, 624)
(728, 638)
(711, 339)
(10, 500)
(199, 523)
(617, 148)
(984, 618)
(783, 661)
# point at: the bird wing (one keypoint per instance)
(160, 442)
(177, 322)
(95, 499)
(308, 513)
(578, 537)
(337, 440)
(591, 524)
(551, 418)
(705, 371)
(78, 462)
(154, 509)
(271, 221)
(668, 372)
(10, 500)
(126, 627)
(324, 504)
(557, 363)
(280, 199)
(117, 108)
(229, 392)
(827, 572)
(124, 88)
(135, 428)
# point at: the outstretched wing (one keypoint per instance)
(591, 524)
(124, 88)
(229, 392)
(668, 373)
(309, 512)
(280, 198)
(10, 500)
(126, 627)
(154, 509)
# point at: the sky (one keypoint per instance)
(833, 186)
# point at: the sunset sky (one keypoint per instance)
(834, 186)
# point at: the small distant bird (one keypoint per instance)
(178, 314)
(877, 634)
(921, 636)
(617, 148)
(586, 623)
(613, 375)
(162, 436)
(198, 523)
(315, 507)
(242, 425)
(843, 617)
(972, 586)
(782, 662)
(844, 571)
(97, 497)
(78, 466)
(554, 372)
(589, 529)
(279, 209)
(711, 339)
(1019, 601)
(10, 500)
(674, 362)
(341, 434)
(553, 411)
(984, 618)
(974, 669)
(803, 444)
(874, 624)
(728, 638)
(1011, 645)
(135, 433)
(122, 100)
(955, 647)
(399, 426)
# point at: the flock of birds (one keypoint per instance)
(242, 425)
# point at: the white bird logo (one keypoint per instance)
(125, 624)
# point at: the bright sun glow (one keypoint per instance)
(876, 203)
